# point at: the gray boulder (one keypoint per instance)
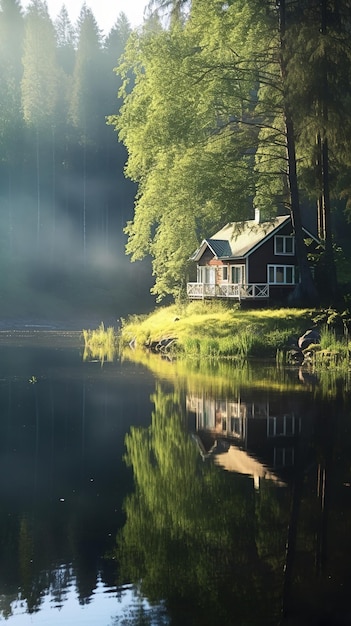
(309, 337)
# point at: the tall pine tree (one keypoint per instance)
(86, 108)
(11, 118)
(40, 89)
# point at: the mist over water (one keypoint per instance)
(64, 200)
(64, 270)
(63, 246)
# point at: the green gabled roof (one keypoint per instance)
(238, 239)
(220, 247)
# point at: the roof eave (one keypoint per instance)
(199, 252)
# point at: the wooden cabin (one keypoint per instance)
(250, 260)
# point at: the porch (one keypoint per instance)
(251, 291)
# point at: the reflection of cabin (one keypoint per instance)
(265, 432)
(252, 261)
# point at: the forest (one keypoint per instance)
(136, 145)
(232, 106)
(64, 196)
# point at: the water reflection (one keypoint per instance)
(240, 508)
(264, 542)
(196, 537)
(252, 433)
(63, 481)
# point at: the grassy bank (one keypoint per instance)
(202, 329)
(215, 331)
(100, 344)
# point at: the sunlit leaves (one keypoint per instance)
(216, 92)
(189, 145)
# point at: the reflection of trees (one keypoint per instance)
(30, 550)
(272, 513)
(47, 451)
(138, 612)
(321, 579)
(191, 532)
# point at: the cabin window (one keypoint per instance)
(284, 244)
(224, 272)
(281, 274)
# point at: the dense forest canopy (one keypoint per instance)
(63, 195)
(231, 106)
(222, 107)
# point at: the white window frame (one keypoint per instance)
(242, 274)
(225, 271)
(284, 239)
(206, 274)
(277, 267)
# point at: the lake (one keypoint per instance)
(145, 491)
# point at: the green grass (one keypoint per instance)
(100, 344)
(216, 330)
(209, 331)
(333, 351)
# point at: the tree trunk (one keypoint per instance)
(37, 158)
(329, 261)
(305, 292)
(325, 232)
(320, 212)
(53, 198)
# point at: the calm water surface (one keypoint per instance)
(158, 493)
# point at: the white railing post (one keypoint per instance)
(228, 290)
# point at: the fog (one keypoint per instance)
(64, 200)
(71, 267)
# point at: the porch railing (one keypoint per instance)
(198, 291)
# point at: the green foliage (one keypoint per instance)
(202, 120)
(216, 330)
(332, 353)
(100, 344)
(239, 345)
(336, 320)
(205, 124)
(40, 75)
(176, 124)
(319, 86)
(84, 98)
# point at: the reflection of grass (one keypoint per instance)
(216, 330)
(100, 344)
(217, 376)
(223, 376)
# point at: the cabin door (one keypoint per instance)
(238, 274)
(206, 275)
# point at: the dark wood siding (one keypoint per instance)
(264, 255)
(206, 258)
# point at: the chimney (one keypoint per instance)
(257, 216)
